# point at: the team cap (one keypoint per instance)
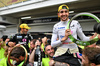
(24, 26)
(63, 7)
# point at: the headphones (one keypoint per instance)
(96, 29)
(97, 59)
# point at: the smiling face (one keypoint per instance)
(24, 30)
(49, 51)
(63, 14)
(32, 45)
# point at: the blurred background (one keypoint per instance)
(41, 15)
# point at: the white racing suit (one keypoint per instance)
(68, 45)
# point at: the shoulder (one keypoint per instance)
(75, 21)
(29, 34)
(45, 59)
(57, 24)
(18, 33)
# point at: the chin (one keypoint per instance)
(51, 55)
(64, 19)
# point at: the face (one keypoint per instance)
(32, 45)
(44, 39)
(63, 14)
(18, 60)
(85, 61)
(37, 42)
(24, 31)
(49, 51)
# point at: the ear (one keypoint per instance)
(92, 64)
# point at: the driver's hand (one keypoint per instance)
(67, 32)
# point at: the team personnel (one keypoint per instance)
(91, 56)
(18, 55)
(66, 49)
(21, 38)
(49, 51)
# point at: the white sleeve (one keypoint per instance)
(54, 41)
(81, 34)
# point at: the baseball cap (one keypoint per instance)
(24, 26)
(63, 7)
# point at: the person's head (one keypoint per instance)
(4, 37)
(38, 42)
(7, 40)
(63, 12)
(32, 44)
(91, 56)
(18, 55)
(49, 50)
(44, 40)
(24, 28)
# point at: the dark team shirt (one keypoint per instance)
(21, 38)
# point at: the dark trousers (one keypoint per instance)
(68, 58)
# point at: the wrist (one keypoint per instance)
(63, 39)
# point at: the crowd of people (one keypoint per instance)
(61, 51)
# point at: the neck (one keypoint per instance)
(50, 58)
(44, 43)
(66, 20)
(21, 32)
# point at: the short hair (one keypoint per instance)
(93, 54)
(63, 7)
(33, 41)
(46, 46)
(17, 52)
(4, 37)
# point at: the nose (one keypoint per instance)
(64, 13)
(26, 30)
(51, 50)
